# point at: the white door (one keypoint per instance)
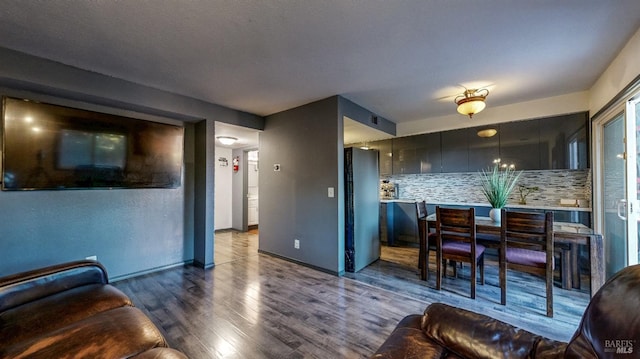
(633, 117)
(252, 188)
(616, 202)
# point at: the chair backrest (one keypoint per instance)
(421, 209)
(609, 326)
(527, 229)
(456, 224)
(421, 214)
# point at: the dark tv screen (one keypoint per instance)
(49, 146)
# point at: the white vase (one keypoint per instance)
(494, 213)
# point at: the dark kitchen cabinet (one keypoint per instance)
(404, 155)
(417, 154)
(559, 142)
(386, 228)
(386, 156)
(385, 160)
(483, 151)
(520, 144)
(398, 223)
(564, 142)
(405, 227)
(428, 153)
(384, 153)
(455, 151)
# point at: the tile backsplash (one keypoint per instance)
(465, 187)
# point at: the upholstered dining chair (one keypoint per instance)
(526, 245)
(427, 239)
(456, 241)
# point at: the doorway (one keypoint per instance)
(252, 190)
(236, 184)
(616, 202)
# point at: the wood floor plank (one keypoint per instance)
(253, 305)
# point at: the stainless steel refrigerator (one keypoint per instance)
(362, 208)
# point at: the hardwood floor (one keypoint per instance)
(253, 305)
(397, 271)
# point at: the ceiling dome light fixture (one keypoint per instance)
(487, 132)
(227, 140)
(471, 101)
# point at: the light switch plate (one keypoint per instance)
(330, 192)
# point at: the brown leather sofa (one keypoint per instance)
(70, 311)
(610, 328)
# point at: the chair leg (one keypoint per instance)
(575, 269)
(425, 265)
(549, 279)
(473, 278)
(423, 260)
(564, 254)
(481, 264)
(503, 284)
(565, 270)
(421, 253)
(439, 270)
(444, 265)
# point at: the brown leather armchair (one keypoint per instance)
(70, 311)
(610, 328)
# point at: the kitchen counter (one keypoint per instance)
(398, 200)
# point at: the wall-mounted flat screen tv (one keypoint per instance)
(48, 146)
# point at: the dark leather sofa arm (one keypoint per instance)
(473, 335)
(407, 341)
(25, 287)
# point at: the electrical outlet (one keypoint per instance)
(296, 243)
(93, 258)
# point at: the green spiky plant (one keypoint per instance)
(497, 184)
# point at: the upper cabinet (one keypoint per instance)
(455, 150)
(384, 154)
(404, 156)
(417, 154)
(519, 144)
(559, 142)
(564, 142)
(482, 150)
(428, 153)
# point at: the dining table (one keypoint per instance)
(573, 234)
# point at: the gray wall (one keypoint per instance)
(131, 231)
(239, 192)
(204, 185)
(307, 142)
(360, 114)
(365, 117)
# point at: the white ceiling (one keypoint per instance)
(355, 131)
(404, 60)
(247, 138)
